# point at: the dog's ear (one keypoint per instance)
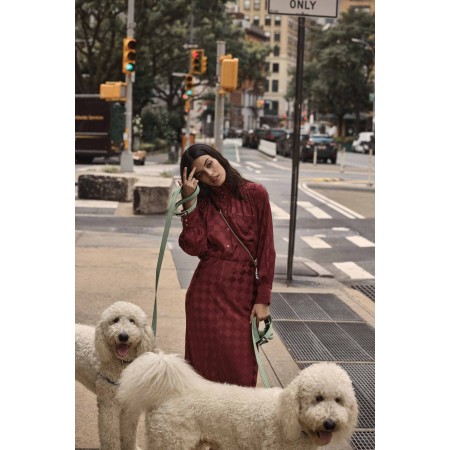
(288, 412)
(101, 346)
(147, 343)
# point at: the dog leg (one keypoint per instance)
(108, 418)
(128, 430)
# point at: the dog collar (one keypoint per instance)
(115, 383)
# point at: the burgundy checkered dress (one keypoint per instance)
(223, 289)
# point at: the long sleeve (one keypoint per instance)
(265, 253)
(193, 238)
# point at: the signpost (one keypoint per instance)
(301, 8)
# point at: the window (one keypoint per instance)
(256, 21)
(266, 67)
(256, 4)
(275, 67)
(274, 85)
(266, 85)
(276, 51)
(276, 36)
(277, 21)
(268, 21)
(246, 4)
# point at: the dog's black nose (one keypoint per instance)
(123, 337)
(329, 425)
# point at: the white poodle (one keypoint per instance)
(185, 411)
(101, 353)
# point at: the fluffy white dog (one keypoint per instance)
(101, 353)
(185, 411)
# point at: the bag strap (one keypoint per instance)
(173, 207)
(260, 338)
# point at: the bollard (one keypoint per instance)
(342, 158)
(315, 156)
(370, 169)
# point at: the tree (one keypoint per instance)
(162, 28)
(338, 73)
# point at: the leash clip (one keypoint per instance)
(267, 334)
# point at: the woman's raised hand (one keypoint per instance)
(188, 186)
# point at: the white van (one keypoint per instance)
(364, 136)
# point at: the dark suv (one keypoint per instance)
(251, 138)
(325, 146)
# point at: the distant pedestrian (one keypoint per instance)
(231, 232)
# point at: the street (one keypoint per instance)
(335, 226)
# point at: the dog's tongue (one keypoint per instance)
(325, 437)
(122, 349)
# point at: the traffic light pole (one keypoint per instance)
(126, 157)
(220, 101)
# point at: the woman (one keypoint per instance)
(231, 231)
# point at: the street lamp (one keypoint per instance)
(367, 46)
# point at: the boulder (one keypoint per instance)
(152, 195)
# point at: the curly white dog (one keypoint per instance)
(101, 353)
(185, 411)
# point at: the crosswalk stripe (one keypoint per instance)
(353, 271)
(314, 210)
(315, 242)
(360, 241)
(278, 213)
(257, 166)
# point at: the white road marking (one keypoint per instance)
(255, 165)
(278, 213)
(96, 204)
(315, 242)
(353, 271)
(238, 156)
(277, 166)
(360, 241)
(347, 212)
(314, 210)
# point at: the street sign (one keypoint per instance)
(311, 8)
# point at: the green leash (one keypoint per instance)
(260, 338)
(173, 206)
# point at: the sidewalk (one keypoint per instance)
(314, 318)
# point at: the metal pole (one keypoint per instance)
(126, 158)
(187, 134)
(220, 102)
(296, 143)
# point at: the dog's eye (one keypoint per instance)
(116, 320)
(319, 398)
(132, 321)
(337, 400)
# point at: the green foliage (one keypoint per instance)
(162, 28)
(338, 73)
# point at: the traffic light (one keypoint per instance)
(129, 55)
(229, 73)
(204, 64)
(188, 84)
(196, 61)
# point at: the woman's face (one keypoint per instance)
(209, 171)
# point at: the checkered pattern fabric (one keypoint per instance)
(223, 289)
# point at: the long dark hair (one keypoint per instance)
(233, 178)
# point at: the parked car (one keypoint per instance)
(232, 133)
(251, 138)
(325, 146)
(363, 137)
(285, 143)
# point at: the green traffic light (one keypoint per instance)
(189, 92)
(130, 67)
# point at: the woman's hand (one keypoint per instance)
(260, 311)
(188, 186)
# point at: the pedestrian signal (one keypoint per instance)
(129, 55)
(229, 73)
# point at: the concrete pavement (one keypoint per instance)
(118, 266)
